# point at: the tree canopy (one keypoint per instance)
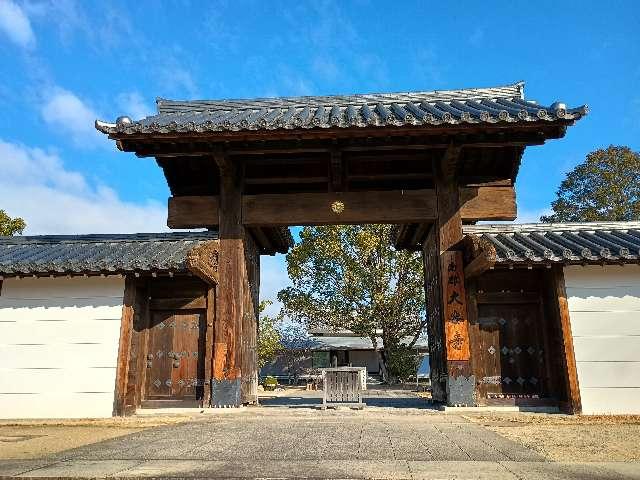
(11, 226)
(605, 187)
(269, 343)
(350, 277)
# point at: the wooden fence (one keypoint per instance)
(343, 386)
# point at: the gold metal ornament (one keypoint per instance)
(337, 207)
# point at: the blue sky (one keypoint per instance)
(64, 63)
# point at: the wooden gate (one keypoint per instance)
(511, 353)
(175, 356)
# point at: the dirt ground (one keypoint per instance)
(569, 437)
(24, 439)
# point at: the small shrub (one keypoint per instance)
(270, 383)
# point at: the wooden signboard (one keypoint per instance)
(456, 323)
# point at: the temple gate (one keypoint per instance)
(427, 161)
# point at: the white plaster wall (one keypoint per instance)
(365, 358)
(604, 306)
(59, 346)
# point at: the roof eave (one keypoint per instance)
(507, 263)
(94, 273)
(117, 134)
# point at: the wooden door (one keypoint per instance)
(175, 357)
(511, 351)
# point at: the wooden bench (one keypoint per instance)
(343, 386)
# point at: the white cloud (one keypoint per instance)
(54, 200)
(103, 26)
(176, 79)
(16, 25)
(133, 105)
(22, 166)
(65, 111)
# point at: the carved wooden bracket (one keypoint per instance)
(479, 255)
(202, 260)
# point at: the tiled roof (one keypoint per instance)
(598, 242)
(504, 104)
(76, 254)
(340, 342)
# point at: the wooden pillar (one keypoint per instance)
(574, 403)
(134, 333)
(208, 342)
(458, 377)
(249, 366)
(225, 385)
(124, 346)
(435, 325)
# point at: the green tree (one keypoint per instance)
(606, 186)
(269, 338)
(11, 226)
(350, 277)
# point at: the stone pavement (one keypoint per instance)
(305, 443)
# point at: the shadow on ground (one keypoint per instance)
(378, 396)
(369, 401)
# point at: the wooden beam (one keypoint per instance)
(393, 206)
(485, 181)
(420, 233)
(569, 359)
(124, 346)
(193, 211)
(160, 150)
(202, 260)
(261, 240)
(400, 234)
(374, 177)
(507, 297)
(339, 208)
(245, 142)
(285, 180)
(177, 303)
(488, 203)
